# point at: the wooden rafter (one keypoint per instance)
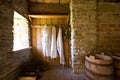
(37, 8)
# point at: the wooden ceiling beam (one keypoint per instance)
(49, 16)
(38, 8)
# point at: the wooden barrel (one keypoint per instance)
(99, 67)
(116, 62)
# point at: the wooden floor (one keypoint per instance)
(61, 74)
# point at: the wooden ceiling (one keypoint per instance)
(51, 1)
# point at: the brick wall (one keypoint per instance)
(108, 27)
(10, 62)
(83, 31)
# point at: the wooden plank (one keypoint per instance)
(39, 21)
(34, 43)
(67, 52)
(65, 1)
(54, 21)
(52, 1)
(31, 0)
(37, 8)
(49, 19)
(43, 21)
(62, 74)
(41, 1)
(45, 1)
(55, 1)
(48, 16)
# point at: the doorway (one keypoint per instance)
(58, 21)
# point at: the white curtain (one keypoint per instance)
(60, 46)
(46, 40)
(53, 43)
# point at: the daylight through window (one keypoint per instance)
(21, 32)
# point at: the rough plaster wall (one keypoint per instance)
(83, 31)
(10, 62)
(108, 27)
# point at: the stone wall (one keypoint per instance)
(83, 31)
(108, 27)
(95, 25)
(10, 61)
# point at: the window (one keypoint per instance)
(21, 32)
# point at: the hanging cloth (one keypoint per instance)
(46, 40)
(53, 43)
(60, 46)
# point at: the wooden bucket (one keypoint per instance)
(99, 67)
(116, 61)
